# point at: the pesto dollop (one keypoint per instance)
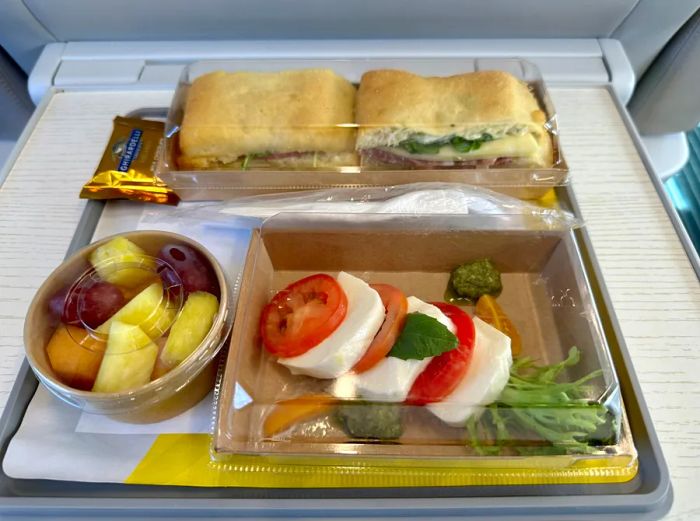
(477, 278)
(367, 420)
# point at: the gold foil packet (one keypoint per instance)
(128, 166)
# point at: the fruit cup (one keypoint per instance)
(130, 326)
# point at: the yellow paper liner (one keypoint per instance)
(183, 460)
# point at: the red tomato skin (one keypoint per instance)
(275, 341)
(445, 371)
(396, 307)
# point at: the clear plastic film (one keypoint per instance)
(274, 426)
(415, 198)
(234, 127)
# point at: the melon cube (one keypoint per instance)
(75, 356)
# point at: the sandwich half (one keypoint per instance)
(481, 119)
(294, 119)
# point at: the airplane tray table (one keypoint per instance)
(603, 143)
(647, 496)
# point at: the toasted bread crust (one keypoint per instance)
(463, 104)
(228, 115)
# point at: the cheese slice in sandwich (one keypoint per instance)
(479, 119)
(289, 119)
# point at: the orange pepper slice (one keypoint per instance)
(488, 310)
(288, 412)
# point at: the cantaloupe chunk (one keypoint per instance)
(150, 310)
(286, 413)
(190, 327)
(75, 356)
(110, 258)
(128, 360)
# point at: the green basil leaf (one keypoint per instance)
(416, 147)
(422, 336)
(464, 145)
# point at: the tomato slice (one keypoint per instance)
(302, 315)
(396, 306)
(445, 371)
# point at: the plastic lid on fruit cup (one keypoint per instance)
(151, 300)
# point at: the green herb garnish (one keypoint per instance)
(249, 157)
(422, 336)
(474, 279)
(365, 420)
(536, 414)
(417, 147)
(458, 143)
(246, 159)
(463, 145)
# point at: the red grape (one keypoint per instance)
(194, 271)
(63, 308)
(98, 302)
(171, 281)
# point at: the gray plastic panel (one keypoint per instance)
(21, 34)
(76, 20)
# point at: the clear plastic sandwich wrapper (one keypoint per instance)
(244, 127)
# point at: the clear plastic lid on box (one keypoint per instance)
(253, 126)
(534, 393)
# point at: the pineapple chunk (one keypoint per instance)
(107, 259)
(128, 360)
(160, 368)
(150, 310)
(190, 328)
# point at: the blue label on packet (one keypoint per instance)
(128, 150)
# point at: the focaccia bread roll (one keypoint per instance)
(485, 118)
(296, 118)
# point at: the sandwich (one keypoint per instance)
(296, 119)
(486, 119)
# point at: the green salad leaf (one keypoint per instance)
(418, 147)
(536, 414)
(422, 336)
(459, 144)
